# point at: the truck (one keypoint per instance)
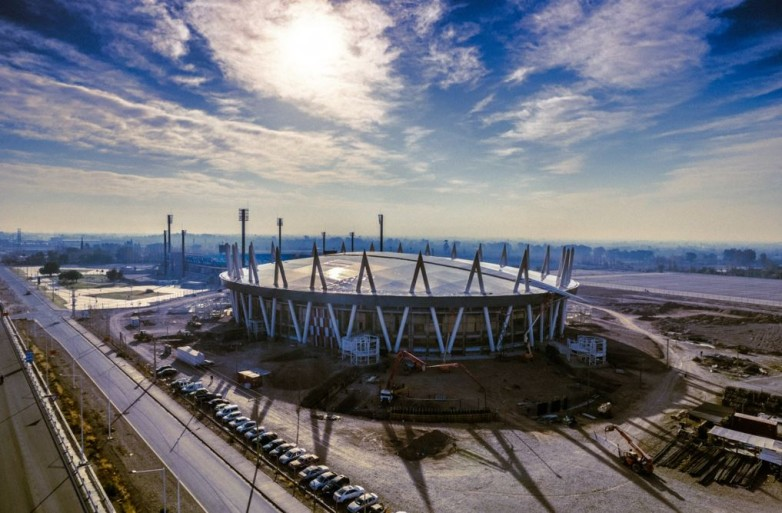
(635, 458)
(190, 356)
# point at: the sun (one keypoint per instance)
(312, 46)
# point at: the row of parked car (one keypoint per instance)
(304, 466)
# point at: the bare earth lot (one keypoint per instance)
(516, 463)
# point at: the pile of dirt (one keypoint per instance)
(428, 444)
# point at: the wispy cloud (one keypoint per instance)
(560, 117)
(331, 61)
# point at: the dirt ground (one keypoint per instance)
(441, 467)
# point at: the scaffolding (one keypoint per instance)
(587, 350)
(361, 349)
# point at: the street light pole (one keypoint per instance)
(163, 471)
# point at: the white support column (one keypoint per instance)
(455, 332)
(552, 326)
(352, 320)
(530, 326)
(307, 314)
(243, 302)
(437, 330)
(262, 306)
(563, 318)
(488, 328)
(294, 320)
(401, 331)
(274, 317)
(504, 327)
(385, 329)
(235, 305)
(542, 320)
(335, 325)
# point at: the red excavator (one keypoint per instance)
(635, 458)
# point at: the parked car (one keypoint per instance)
(205, 398)
(281, 449)
(225, 419)
(223, 410)
(321, 480)
(247, 426)
(179, 383)
(300, 462)
(347, 493)
(238, 421)
(195, 394)
(265, 438)
(377, 508)
(254, 432)
(292, 454)
(273, 444)
(312, 472)
(217, 401)
(334, 484)
(362, 501)
(192, 387)
(165, 371)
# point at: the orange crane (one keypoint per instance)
(635, 458)
(387, 393)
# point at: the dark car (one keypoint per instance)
(167, 372)
(265, 438)
(205, 398)
(334, 484)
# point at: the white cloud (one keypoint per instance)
(331, 61)
(629, 44)
(561, 117)
(569, 166)
(481, 105)
(519, 74)
(42, 108)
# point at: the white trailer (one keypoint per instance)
(190, 356)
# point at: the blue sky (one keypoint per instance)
(561, 121)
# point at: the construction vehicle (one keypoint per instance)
(635, 458)
(387, 393)
(605, 410)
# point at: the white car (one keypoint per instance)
(362, 502)
(312, 472)
(239, 420)
(224, 410)
(231, 416)
(254, 431)
(347, 493)
(291, 455)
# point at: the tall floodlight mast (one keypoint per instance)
(244, 216)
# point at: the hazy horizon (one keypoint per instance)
(561, 119)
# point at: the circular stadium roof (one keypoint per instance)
(387, 279)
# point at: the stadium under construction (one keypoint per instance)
(437, 306)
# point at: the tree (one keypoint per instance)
(70, 277)
(50, 268)
(114, 275)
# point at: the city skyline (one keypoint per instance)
(618, 120)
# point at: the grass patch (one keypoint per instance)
(128, 295)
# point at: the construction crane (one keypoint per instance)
(635, 458)
(387, 393)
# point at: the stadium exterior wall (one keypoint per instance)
(509, 311)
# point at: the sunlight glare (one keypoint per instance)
(312, 46)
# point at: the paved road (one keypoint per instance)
(211, 470)
(34, 475)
